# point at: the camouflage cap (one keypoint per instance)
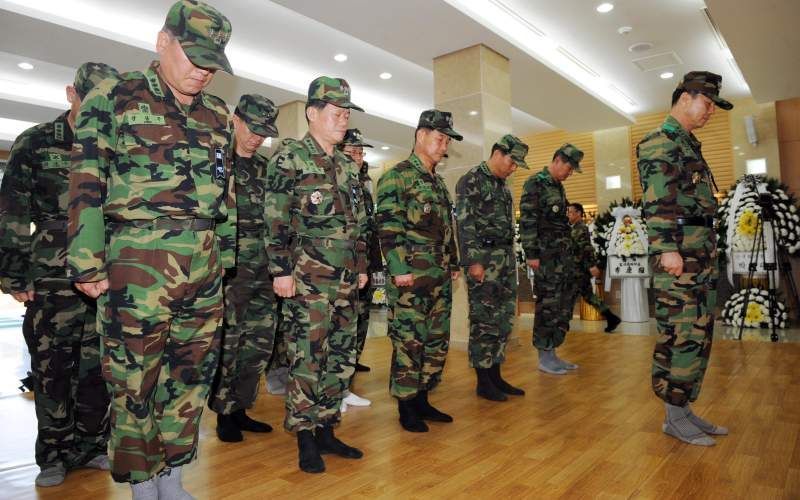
(90, 74)
(332, 90)
(572, 154)
(706, 83)
(515, 147)
(353, 137)
(203, 33)
(439, 120)
(259, 114)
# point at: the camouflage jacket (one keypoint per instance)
(676, 182)
(582, 249)
(374, 257)
(311, 196)
(415, 215)
(250, 177)
(484, 212)
(35, 189)
(139, 154)
(543, 225)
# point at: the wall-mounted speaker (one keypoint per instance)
(750, 128)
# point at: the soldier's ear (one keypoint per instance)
(72, 95)
(162, 41)
(312, 113)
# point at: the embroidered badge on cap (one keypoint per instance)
(426, 208)
(316, 197)
(696, 177)
(556, 209)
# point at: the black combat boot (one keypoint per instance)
(227, 430)
(362, 368)
(328, 443)
(428, 412)
(486, 388)
(310, 459)
(245, 423)
(409, 418)
(497, 380)
(612, 321)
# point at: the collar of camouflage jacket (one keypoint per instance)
(673, 126)
(414, 160)
(160, 89)
(545, 176)
(62, 132)
(484, 167)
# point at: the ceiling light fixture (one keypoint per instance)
(605, 7)
(25, 65)
(666, 75)
(10, 129)
(521, 33)
(473, 113)
(385, 148)
(385, 75)
(340, 57)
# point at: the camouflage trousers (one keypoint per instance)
(491, 309)
(160, 323)
(364, 305)
(321, 334)
(585, 291)
(247, 340)
(279, 357)
(685, 318)
(555, 301)
(419, 328)
(70, 396)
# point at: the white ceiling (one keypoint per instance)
(279, 46)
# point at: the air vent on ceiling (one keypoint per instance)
(658, 61)
(640, 47)
(577, 62)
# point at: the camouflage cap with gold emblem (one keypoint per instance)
(514, 146)
(572, 154)
(353, 137)
(203, 33)
(259, 114)
(89, 74)
(439, 120)
(708, 84)
(335, 91)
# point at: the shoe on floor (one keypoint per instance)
(245, 423)
(362, 368)
(52, 475)
(353, 399)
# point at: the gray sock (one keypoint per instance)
(563, 363)
(705, 425)
(52, 475)
(146, 490)
(678, 425)
(549, 364)
(99, 462)
(170, 487)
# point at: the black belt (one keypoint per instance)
(697, 220)
(248, 228)
(331, 243)
(489, 242)
(169, 224)
(52, 225)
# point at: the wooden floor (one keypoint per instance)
(594, 434)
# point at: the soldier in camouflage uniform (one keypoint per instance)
(152, 223)
(415, 224)
(316, 227)
(353, 146)
(59, 327)
(250, 305)
(585, 264)
(544, 232)
(679, 205)
(485, 215)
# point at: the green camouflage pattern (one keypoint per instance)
(415, 227)
(374, 259)
(572, 154)
(677, 182)
(584, 259)
(545, 235)
(259, 114)
(708, 84)
(485, 221)
(335, 91)
(35, 190)
(442, 121)
(139, 158)
(69, 392)
(316, 224)
(90, 74)
(354, 137)
(250, 303)
(203, 33)
(513, 145)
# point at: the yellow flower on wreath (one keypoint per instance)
(755, 313)
(748, 223)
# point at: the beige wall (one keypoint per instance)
(788, 118)
(767, 131)
(612, 157)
